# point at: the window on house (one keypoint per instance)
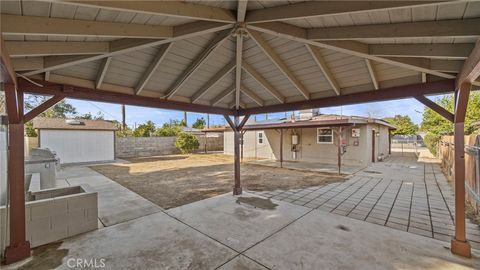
(324, 136)
(260, 136)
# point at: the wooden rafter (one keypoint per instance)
(471, 68)
(372, 73)
(436, 108)
(161, 54)
(178, 9)
(446, 28)
(238, 69)
(275, 58)
(45, 48)
(42, 107)
(197, 62)
(102, 71)
(84, 93)
(250, 94)
(318, 58)
(225, 93)
(443, 50)
(399, 92)
(263, 82)
(32, 25)
(125, 46)
(323, 8)
(241, 10)
(212, 81)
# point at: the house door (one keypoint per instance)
(373, 145)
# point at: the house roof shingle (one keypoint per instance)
(72, 124)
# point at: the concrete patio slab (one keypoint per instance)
(116, 203)
(321, 240)
(156, 241)
(237, 225)
(308, 166)
(242, 263)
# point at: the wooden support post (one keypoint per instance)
(237, 127)
(19, 247)
(339, 152)
(281, 148)
(459, 244)
(389, 141)
(205, 150)
(241, 145)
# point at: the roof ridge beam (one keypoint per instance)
(213, 80)
(324, 8)
(33, 25)
(225, 93)
(372, 73)
(125, 46)
(263, 82)
(279, 63)
(438, 50)
(102, 71)
(318, 58)
(44, 48)
(213, 44)
(241, 10)
(166, 8)
(445, 28)
(161, 54)
(250, 94)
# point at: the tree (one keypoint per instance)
(62, 109)
(171, 129)
(404, 125)
(187, 142)
(144, 130)
(436, 124)
(199, 123)
(89, 116)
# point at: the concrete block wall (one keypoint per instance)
(157, 146)
(56, 214)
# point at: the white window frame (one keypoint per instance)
(262, 137)
(318, 142)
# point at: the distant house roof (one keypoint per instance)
(323, 120)
(72, 124)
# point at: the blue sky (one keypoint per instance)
(137, 115)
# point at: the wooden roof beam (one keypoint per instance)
(123, 46)
(372, 73)
(102, 71)
(46, 48)
(471, 68)
(263, 82)
(161, 54)
(446, 28)
(177, 9)
(7, 70)
(275, 58)
(444, 50)
(399, 92)
(324, 8)
(225, 93)
(238, 68)
(318, 58)
(250, 94)
(197, 62)
(212, 81)
(33, 25)
(241, 10)
(436, 108)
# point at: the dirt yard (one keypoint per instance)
(171, 181)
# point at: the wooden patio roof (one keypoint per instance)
(241, 57)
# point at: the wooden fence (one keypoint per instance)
(446, 153)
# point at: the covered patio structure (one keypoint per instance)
(235, 58)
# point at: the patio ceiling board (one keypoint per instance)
(86, 71)
(249, 82)
(217, 89)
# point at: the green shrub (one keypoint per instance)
(187, 142)
(431, 141)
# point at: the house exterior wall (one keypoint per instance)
(310, 150)
(73, 146)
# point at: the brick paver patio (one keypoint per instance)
(400, 193)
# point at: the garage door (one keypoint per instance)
(74, 146)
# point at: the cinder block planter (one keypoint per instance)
(55, 214)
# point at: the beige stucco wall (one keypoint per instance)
(310, 150)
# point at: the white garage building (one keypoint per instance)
(77, 141)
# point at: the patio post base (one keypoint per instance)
(461, 248)
(237, 190)
(17, 252)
